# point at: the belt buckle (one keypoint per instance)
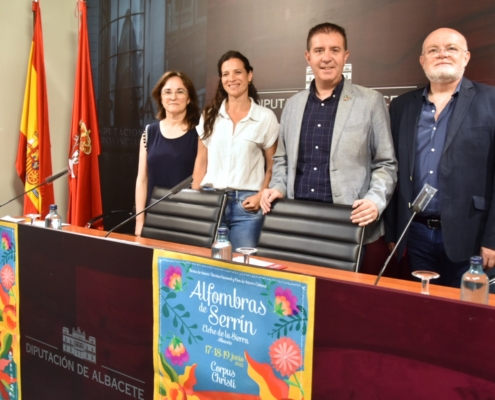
(435, 222)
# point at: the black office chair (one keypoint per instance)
(189, 217)
(312, 233)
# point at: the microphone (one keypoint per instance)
(50, 179)
(418, 206)
(176, 189)
(54, 177)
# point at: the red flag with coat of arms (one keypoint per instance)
(34, 163)
(84, 147)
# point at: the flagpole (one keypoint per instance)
(34, 14)
(77, 14)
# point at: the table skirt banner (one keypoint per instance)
(9, 309)
(227, 331)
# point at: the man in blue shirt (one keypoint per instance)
(335, 144)
(444, 135)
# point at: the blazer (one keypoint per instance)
(362, 159)
(466, 170)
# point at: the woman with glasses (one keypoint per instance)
(235, 153)
(169, 146)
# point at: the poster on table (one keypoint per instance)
(224, 330)
(9, 308)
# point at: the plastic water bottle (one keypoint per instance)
(474, 284)
(53, 220)
(222, 248)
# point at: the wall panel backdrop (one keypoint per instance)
(140, 39)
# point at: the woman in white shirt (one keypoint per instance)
(238, 139)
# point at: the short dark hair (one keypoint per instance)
(192, 109)
(325, 27)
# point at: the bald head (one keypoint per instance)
(443, 33)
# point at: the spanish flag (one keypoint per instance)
(34, 162)
(84, 146)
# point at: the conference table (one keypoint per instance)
(320, 272)
(370, 342)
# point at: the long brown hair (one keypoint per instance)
(192, 109)
(211, 110)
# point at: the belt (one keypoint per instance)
(236, 193)
(430, 222)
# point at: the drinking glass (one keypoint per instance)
(246, 251)
(33, 217)
(425, 277)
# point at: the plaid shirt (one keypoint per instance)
(313, 162)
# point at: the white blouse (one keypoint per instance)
(235, 157)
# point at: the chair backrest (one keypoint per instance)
(312, 233)
(189, 217)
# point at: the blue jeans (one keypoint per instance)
(427, 252)
(244, 226)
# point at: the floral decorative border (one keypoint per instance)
(9, 303)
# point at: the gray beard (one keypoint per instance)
(445, 76)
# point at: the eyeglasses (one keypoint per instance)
(179, 93)
(449, 51)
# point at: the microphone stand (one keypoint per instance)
(176, 189)
(396, 246)
(50, 179)
(420, 203)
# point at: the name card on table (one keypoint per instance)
(222, 329)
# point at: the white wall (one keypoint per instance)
(60, 30)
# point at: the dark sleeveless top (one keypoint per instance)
(170, 161)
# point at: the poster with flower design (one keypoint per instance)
(228, 331)
(9, 309)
